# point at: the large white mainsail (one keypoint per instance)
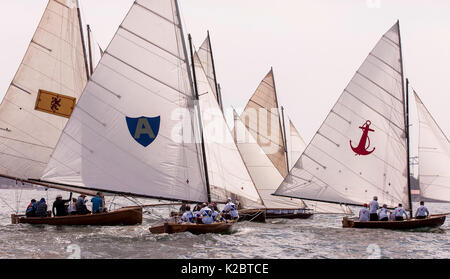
(296, 146)
(263, 172)
(434, 156)
(370, 111)
(227, 173)
(55, 62)
(132, 130)
(262, 118)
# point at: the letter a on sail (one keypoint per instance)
(144, 129)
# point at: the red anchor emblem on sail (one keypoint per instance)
(362, 149)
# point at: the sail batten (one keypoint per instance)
(357, 152)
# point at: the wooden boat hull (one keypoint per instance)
(170, 228)
(123, 216)
(430, 222)
(293, 215)
(252, 215)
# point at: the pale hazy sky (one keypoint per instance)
(315, 46)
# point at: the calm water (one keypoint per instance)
(320, 237)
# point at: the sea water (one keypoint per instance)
(319, 237)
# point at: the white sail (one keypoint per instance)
(132, 130)
(205, 55)
(360, 149)
(227, 173)
(263, 172)
(262, 118)
(54, 61)
(434, 157)
(297, 144)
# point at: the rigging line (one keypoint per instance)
(144, 73)
(267, 109)
(349, 169)
(379, 86)
(372, 63)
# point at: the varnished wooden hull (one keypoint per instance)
(294, 215)
(430, 222)
(171, 228)
(252, 215)
(122, 216)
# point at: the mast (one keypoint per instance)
(406, 110)
(279, 120)
(91, 62)
(284, 138)
(197, 97)
(82, 39)
(219, 95)
(214, 69)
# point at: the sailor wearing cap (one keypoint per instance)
(364, 213)
(230, 210)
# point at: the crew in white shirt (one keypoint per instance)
(364, 213)
(230, 211)
(422, 212)
(188, 216)
(207, 215)
(399, 212)
(373, 207)
(383, 213)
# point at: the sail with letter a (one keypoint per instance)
(42, 94)
(434, 156)
(360, 151)
(132, 131)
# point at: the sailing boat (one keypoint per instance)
(362, 148)
(136, 128)
(260, 134)
(41, 98)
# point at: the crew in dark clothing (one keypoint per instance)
(60, 205)
(31, 209)
(41, 210)
(183, 207)
(81, 205)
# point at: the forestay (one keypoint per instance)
(227, 173)
(132, 130)
(263, 172)
(434, 157)
(55, 62)
(360, 149)
(262, 118)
